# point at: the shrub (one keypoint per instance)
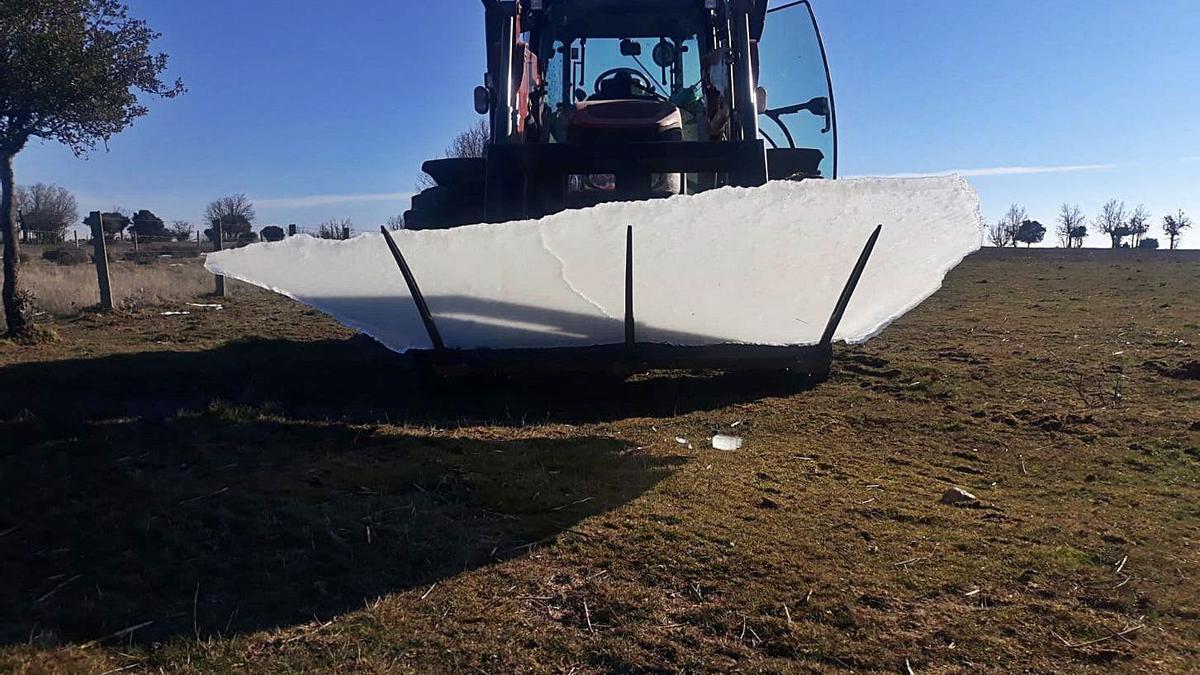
(273, 233)
(141, 257)
(1151, 244)
(66, 256)
(246, 238)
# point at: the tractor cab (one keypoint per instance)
(603, 100)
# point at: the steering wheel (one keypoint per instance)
(647, 85)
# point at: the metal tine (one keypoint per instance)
(630, 324)
(848, 292)
(423, 309)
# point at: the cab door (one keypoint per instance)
(798, 119)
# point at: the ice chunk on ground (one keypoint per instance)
(754, 266)
(729, 443)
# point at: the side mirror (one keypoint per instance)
(818, 106)
(630, 48)
(483, 100)
(761, 99)
(580, 95)
(664, 54)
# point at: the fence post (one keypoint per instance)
(198, 247)
(345, 232)
(100, 256)
(217, 238)
(292, 230)
(135, 242)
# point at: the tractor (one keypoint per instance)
(591, 101)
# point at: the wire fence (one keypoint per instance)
(80, 237)
(77, 237)
(132, 268)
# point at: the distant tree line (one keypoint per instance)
(1124, 227)
(46, 213)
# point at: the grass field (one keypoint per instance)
(257, 489)
(139, 279)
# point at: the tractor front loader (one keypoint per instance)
(592, 101)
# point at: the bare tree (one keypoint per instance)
(1012, 221)
(1070, 220)
(182, 230)
(1113, 221)
(235, 213)
(395, 222)
(46, 209)
(334, 228)
(235, 206)
(469, 143)
(998, 235)
(1174, 227)
(1139, 224)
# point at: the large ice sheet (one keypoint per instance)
(756, 266)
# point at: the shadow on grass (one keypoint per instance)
(352, 380)
(228, 521)
(249, 487)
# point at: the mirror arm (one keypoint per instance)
(769, 139)
(773, 115)
(788, 110)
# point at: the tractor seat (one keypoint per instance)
(629, 120)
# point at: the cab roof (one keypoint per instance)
(625, 18)
(631, 18)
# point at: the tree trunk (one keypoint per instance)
(14, 300)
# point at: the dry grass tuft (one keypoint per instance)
(37, 334)
(62, 290)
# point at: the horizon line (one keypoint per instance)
(999, 171)
(305, 201)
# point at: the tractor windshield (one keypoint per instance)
(656, 68)
(799, 110)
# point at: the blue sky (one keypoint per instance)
(318, 114)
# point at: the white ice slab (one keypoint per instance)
(756, 266)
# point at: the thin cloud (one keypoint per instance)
(1007, 171)
(305, 201)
